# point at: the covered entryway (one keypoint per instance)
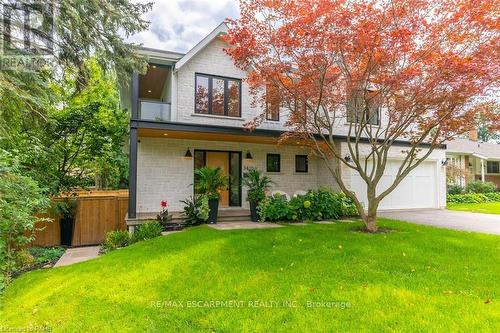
(230, 164)
(417, 190)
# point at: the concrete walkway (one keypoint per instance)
(78, 254)
(242, 225)
(485, 223)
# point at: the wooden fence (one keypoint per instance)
(97, 213)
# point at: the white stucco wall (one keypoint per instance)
(164, 174)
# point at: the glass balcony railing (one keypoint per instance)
(152, 110)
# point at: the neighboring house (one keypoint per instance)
(474, 160)
(187, 111)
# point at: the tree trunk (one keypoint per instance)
(371, 217)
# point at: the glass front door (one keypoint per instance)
(230, 163)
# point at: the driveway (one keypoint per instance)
(486, 223)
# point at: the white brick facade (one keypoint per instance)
(164, 173)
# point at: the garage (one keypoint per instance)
(417, 190)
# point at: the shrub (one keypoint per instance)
(473, 197)
(46, 255)
(116, 239)
(196, 210)
(480, 187)
(146, 231)
(274, 208)
(455, 189)
(315, 205)
(20, 200)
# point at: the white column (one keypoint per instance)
(482, 170)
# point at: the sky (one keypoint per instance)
(178, 25)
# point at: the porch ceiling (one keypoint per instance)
(171, 134)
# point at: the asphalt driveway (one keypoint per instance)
(485, 223)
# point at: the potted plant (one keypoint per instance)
(66, 209)
(210, 181)
(257, 186)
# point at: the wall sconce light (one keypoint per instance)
(248, 156)
(347, 158)
(188, 154)
(444, 162)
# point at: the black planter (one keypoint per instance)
(213, 204)
(67, 225)
(253, 211)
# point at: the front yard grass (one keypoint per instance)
(414, 278)
(485, 207)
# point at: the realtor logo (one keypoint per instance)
(27, 29)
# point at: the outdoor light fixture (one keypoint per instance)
(248, 156)
(347, 158)
(444, 162)
(188, 154)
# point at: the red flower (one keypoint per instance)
(164, 203)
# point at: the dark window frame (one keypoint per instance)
(269, 114)
(267, 162)
(306, 163)
(226, 80)
(493, 167)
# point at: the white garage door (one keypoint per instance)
(417, 190)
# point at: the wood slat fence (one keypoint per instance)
(97, 213)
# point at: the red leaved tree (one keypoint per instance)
(411, 70)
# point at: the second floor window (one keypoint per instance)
(272, 103)
(369, 108)
(217, 95)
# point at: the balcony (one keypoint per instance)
(154, 110)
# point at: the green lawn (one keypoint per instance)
(487, 207)
(415, 278)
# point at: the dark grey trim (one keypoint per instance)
(188, 127)
(132, 175)
(134, 93)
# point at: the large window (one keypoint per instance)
(273, 163)
(272, 103)
(493, 167)
(217, 95)
(301, 163)
(368, 108)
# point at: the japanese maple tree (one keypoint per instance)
(408, 70)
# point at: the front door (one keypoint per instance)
(217, 159)
(230, 163)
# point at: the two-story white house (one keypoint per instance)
(187, 111)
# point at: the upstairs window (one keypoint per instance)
(217, 95)
(369, 108)
(272, 103)
(493, 167)
(273, 163)
(301, 163)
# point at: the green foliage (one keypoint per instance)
(473, 197)
(115, 239)
(196, 210)
(455, 189)
(209, 181)
(46, 255)
(66, 208)
(319, 204)
(480, 187)
(20, 200)
(146, 231)
(80, 142)
(257, 184)
(82, 30)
